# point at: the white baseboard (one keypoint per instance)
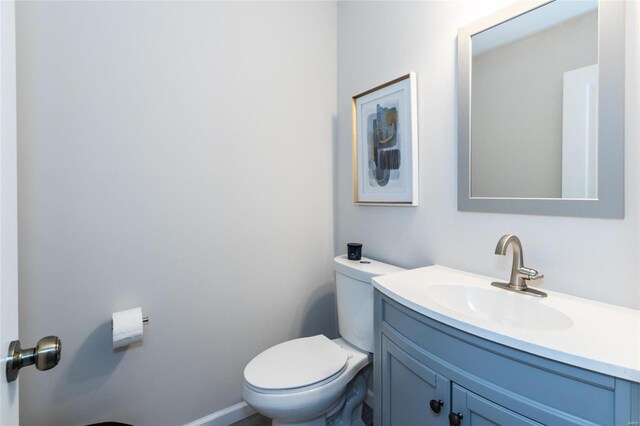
(226, 416)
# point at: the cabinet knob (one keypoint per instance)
(455, 419)
(436, 405)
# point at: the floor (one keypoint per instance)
(255, 420)
(260, 420)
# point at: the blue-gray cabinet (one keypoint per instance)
(422, 366)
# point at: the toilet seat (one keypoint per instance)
(296, 364)
(296, 406)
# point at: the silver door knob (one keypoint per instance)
(45, 356)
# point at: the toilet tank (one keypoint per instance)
(354, 294)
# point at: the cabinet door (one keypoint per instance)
(409, 389)
(477, 411)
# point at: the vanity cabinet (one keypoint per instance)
(422, 366)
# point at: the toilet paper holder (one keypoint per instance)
(127, 327)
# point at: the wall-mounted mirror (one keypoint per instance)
(541, 103)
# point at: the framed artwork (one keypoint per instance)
(385, 144)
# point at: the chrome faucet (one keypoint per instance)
(520, 274)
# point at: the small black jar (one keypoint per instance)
(354, 251)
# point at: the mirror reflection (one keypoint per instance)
(534, 100)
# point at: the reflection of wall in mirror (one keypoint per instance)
(516, 104)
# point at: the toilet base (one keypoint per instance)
(333, 412)
(350, 413)
(346, 412)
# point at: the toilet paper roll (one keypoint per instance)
(127, 327)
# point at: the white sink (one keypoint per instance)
(581, 332)
(498, 306)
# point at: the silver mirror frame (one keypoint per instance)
(611, 60)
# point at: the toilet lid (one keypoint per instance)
(296, 363)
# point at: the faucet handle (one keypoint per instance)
(529, 273)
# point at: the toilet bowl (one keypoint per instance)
(315, 381)
(300, 381)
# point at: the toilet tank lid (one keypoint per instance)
(363, 269)
(296, 363)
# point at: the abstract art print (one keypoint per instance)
(385, 144)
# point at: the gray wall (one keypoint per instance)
(516, 120)
(593, 258)
(175, 156)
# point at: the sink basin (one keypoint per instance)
(498, 307)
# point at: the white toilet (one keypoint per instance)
(316, 381)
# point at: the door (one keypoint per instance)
(413, 394)
(580, 133)
(472, 410)
(8, 209)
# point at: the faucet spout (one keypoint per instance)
(518, 262)
(504, 242)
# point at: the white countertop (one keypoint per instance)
(591, 335)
